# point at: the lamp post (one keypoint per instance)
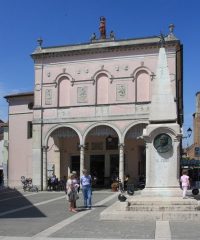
(189, 133)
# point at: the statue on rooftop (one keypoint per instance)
(93, 37)
(162, 40)
(102, 28)
(112, 35)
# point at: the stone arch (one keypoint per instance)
(143, 86)
(58, 142)
(101, 124)
(130, 126)
(135, 150)
(64, 75)
(142, 68)
(51, 130)
(63, 92)
(102, 89)
(102, 78)
(101, 71)
(142, 76)
(163, 129)
(64, 81)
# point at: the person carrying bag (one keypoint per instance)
(71, 191)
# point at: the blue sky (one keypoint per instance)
(61, 22)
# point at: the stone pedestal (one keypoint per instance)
(162, 192)
(162, 160)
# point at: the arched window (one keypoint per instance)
(102, 89)
(64, 92)
(143, 87)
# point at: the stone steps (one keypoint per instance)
(162, 208)
(168, 209)
(163, 205)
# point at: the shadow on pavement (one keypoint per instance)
(13, 204)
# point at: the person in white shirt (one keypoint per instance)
(185, 183)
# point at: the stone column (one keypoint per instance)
(121, 162)
(57, 164)
(82, 159)
(148, 167)
(36, 156)
(107, 170)
(44, 152)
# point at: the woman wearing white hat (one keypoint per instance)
(72, 193)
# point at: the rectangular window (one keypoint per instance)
(29, 129)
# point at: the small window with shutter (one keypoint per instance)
(29, 129)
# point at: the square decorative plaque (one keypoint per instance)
(121, 92)
(82, 94)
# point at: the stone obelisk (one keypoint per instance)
(162, 136)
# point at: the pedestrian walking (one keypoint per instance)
(86, 183)
(72, 194)
(185, 183)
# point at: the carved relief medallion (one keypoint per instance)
(121, 91)
(163, 143)
(82, 94)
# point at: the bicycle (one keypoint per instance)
(27, 185)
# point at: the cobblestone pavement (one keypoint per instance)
(44, 215)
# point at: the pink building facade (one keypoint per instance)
(92, 104)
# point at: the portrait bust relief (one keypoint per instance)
(162, 143)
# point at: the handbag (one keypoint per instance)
(73, 195)
(76, 195)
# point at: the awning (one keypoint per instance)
(190, 163)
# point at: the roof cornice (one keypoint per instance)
(101, 47)
(23, 94)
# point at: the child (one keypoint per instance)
(185, 183)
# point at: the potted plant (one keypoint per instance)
(114, 186)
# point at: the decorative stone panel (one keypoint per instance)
(82, 94)
(48, 96)
(121, 92)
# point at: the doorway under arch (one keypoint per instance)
(63, 145)
(102, 154)
(135, 150)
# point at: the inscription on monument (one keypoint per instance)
(162, 160)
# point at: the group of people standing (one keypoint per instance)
(72, 190)
(73, 186)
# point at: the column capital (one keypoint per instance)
(121, 145)
(45, 148)
(82, 146)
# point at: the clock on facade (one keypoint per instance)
(162, 143)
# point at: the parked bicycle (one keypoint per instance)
(121, 196)
(27, 185)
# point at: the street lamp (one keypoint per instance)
(109, 138)
(189, 132)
